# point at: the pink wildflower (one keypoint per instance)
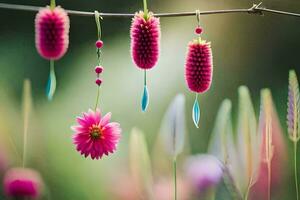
(52, 32)
(145, 38)
(199, 66)
(95, 135)
(21, 182)
(204, 171)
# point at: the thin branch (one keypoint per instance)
(255, 9)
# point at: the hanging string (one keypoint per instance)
(198, 17)
(98, 51)
(255, 9)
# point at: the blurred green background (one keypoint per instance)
(251, 50)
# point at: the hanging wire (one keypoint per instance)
(255, 9)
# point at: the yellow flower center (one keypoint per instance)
(95, 132)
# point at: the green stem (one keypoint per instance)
(52, 4)
(12, 144)
(175, 177)
(248, 189)
(145, 77)
(97, 99)
(99, 56)
(269, 180)
(295, 168)
(145, 7)
(24, 158)
(211, 194)
(247, 193)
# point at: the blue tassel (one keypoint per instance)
(51, 85)
(196, 112)
(145, 99)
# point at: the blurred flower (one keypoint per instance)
(173, 126)
(293, 107)
(163, 191)
(199, 66)
(240, 157)
(140, 164)
(204, 171)
(126, 189)
(145, 39)
(248, 141)
(272, 150)
(21, 182)
(52, 32)
(222, 145)
(95, 135)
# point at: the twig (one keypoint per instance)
(255, 9)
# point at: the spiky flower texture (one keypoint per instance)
(199, 66)
(96, 135)
(52, 32)
(145, 39)
(293, 115)
(293, 119)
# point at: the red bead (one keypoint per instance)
(98, 81)
(198, 30)
(99, 44)
(98, 69)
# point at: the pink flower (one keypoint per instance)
(145, 38)
(52, 32)
(204, 171)
(21, 182)
(199, 66)
(95, 135)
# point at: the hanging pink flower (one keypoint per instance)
(52, 32)
(199, 66)
(145, 38)
(21, 182)
(96, 135)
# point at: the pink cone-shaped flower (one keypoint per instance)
(52, 32)
(21, 182)
(204, 171)
(145, 39)
(199, 66)
(95, 135)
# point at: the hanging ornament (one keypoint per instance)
(145, 39)
(198, 68)
(94, 134)
(99, 68)
(52, 26)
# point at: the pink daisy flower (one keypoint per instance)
(20, 182)
(96, 135)
(52, 32)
